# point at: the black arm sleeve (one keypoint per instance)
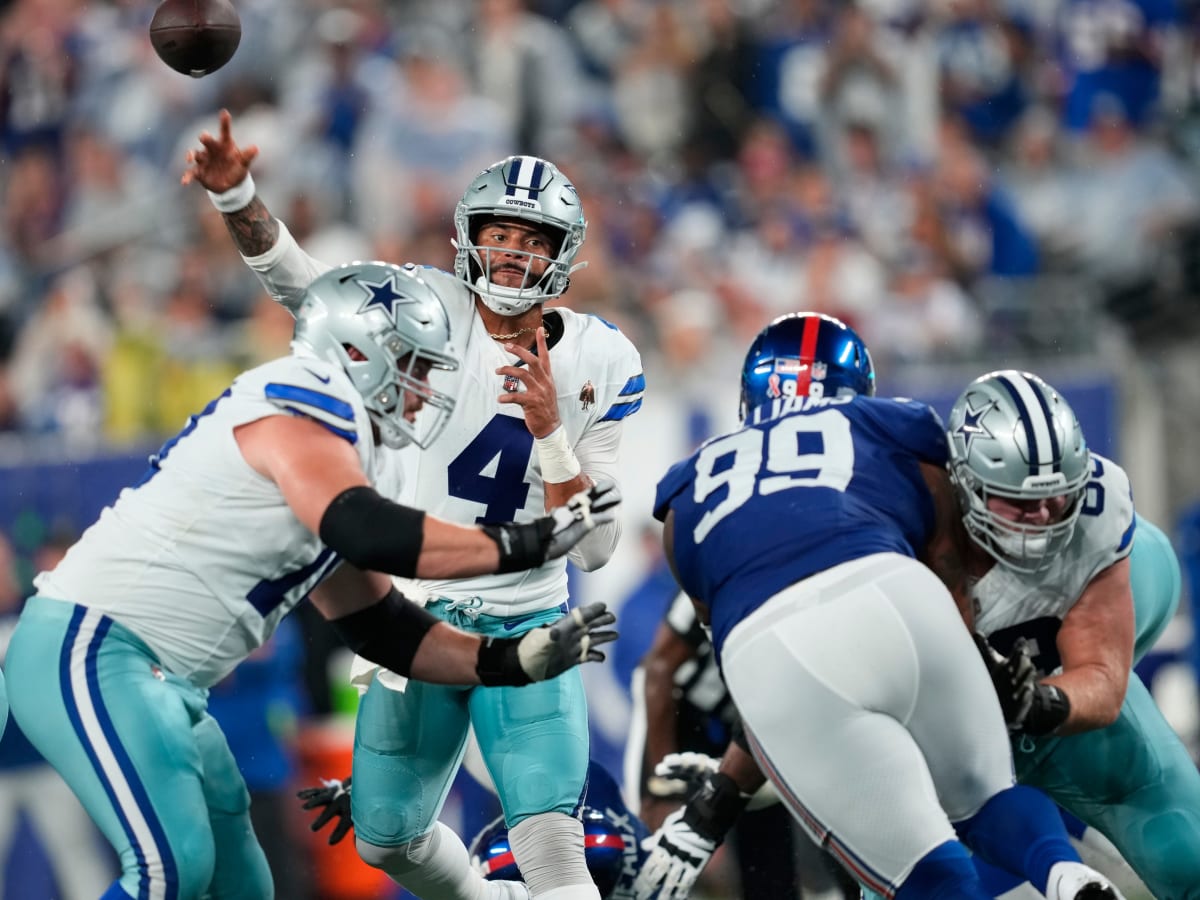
(373, 533)
(388, 632)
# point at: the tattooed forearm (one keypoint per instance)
(253, 228)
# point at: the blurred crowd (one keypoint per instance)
(943, 174)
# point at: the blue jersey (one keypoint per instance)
(807, 484)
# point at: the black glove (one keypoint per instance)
(334, 796)
(1014, 677)
(547, 651)
(528, 545)
(1050, 708)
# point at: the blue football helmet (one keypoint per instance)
(805, 355)
(610, 858)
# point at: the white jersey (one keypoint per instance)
(1034, 605)
(483, 467)
(203, 557)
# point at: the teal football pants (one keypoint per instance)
(137, 746)
(1133, 781)
(408, 744)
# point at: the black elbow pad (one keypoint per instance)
(388, 632)
(373, 533)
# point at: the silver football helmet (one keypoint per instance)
(532, 190)
(1013, 436)
(387, 328)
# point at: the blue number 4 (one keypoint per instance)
(507, 442)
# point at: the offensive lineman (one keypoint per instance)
(1059, 557)
(263, 497)
(545, 391)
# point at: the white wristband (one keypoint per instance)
(556, 457)
(236, 198)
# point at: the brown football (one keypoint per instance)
(195, 37)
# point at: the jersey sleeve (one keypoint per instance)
(1107, 520)
(315, 390)
(914, 426)
(286, 270)
(625, 376)
(678, 477)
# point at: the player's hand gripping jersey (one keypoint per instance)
(806, 484)
(177, 559)
(1010, 604)
(483, 468)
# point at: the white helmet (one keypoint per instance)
(387, 328)
(1013, 436)
(532, 190)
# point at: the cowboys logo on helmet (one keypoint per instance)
(1012, 436)
(387, 328)
(532, 190)
(805, 355)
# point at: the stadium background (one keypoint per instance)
(970, 183)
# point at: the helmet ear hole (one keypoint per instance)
(354, 353)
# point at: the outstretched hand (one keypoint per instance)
(333, 799)
(220, 164)
(575, 638)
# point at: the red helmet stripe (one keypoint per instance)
(808, 354)
(499, 861)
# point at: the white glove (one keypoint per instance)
(677, 857)
(687, 771)
(529, 544)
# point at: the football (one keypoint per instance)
(195, 37)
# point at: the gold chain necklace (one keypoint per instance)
(514, 335)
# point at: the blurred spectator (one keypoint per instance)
(56, 363)
(1038, 175)
(1132, 202)
(429, 135)
(1114, 47)
(859, 85)
(981, 232)
(523, 63)
(650, 93)
(37, 73)
(788, 56)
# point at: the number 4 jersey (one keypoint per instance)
(806, 484)
(484, 467)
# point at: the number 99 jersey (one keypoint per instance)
(807, 484)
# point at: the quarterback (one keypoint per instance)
(539, 419)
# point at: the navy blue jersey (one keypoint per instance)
(806, 484)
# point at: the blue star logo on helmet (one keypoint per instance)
(382, 295)
(972, 426)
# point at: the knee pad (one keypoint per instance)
(549, 851)
(395, 860)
